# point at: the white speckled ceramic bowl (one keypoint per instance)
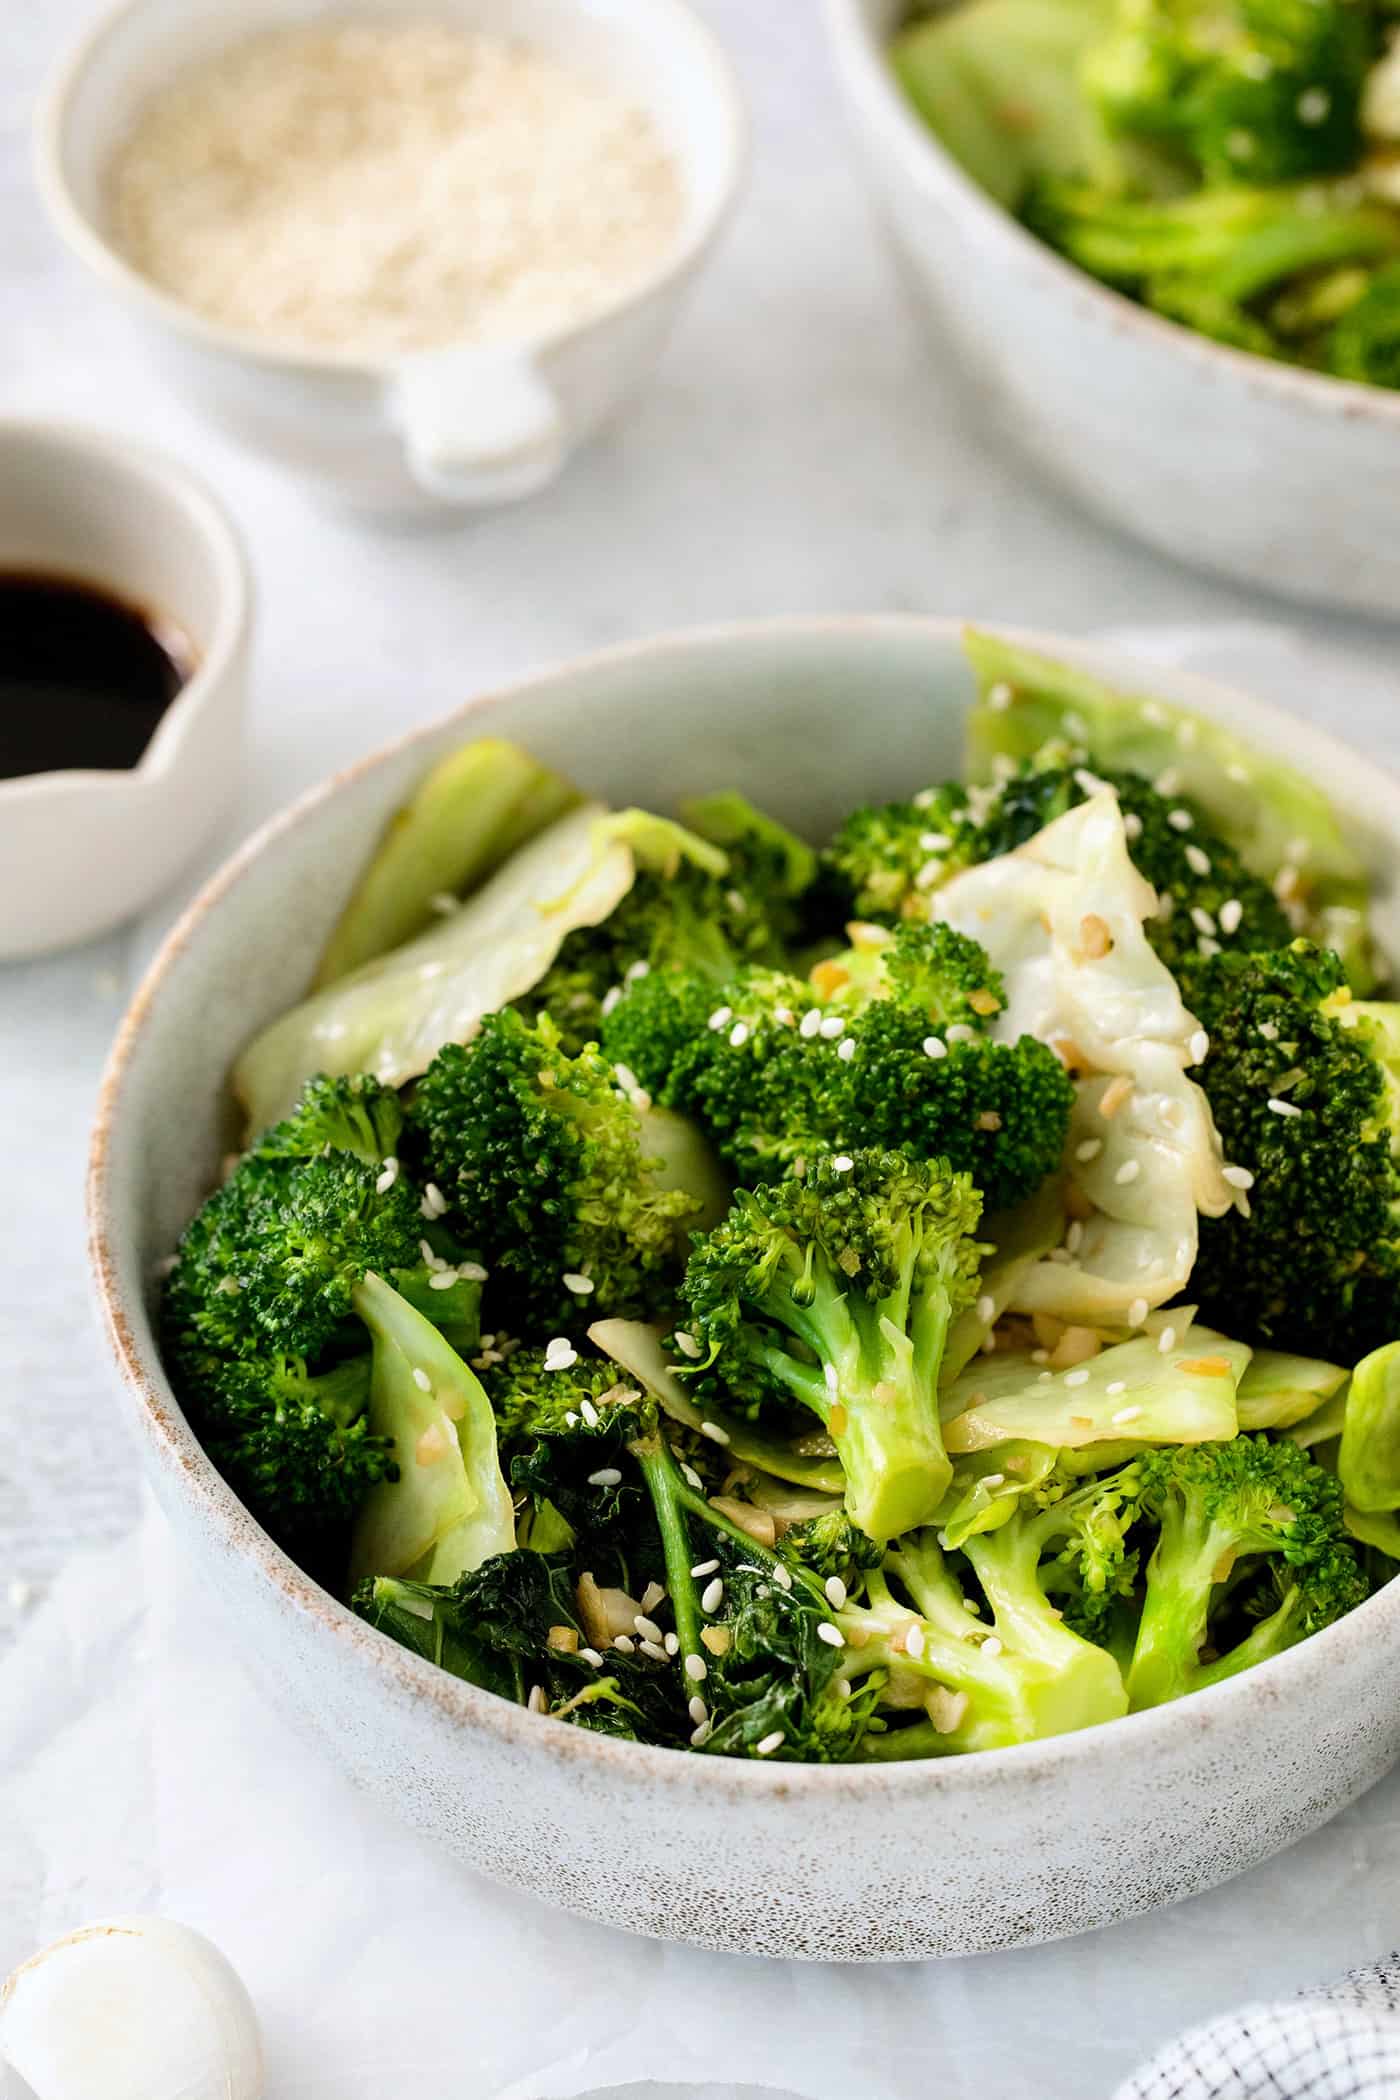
(910, 1860)
(1277, 476)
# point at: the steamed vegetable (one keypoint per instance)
(748, 1301)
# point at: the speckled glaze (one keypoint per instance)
(944, 1858)
(1281, 477)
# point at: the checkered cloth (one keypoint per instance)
(1341, 2042)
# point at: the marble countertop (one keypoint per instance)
(805, 448)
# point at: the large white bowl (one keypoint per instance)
(910, 1860)
(1278, 476)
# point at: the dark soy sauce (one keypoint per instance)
(84, 676)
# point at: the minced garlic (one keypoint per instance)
(377, 188)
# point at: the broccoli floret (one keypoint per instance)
(830, 1545)
(983, 1684)
(835, 1294)
(295, 1447)
(925, 1076)
(686, 917)
(1258, 91)
(887, 1046)
(886, 857)
(548, 1158)
(356, 1115)
(1251, 1556)
(1213, 259)
(1301, 1081)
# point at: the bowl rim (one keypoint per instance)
(409, 1677)
(84, 237)
(155, 472)
(860, 57)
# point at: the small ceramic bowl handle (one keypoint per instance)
(479, 425)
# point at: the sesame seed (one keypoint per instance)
(695, 1669)
(770, 1743)
(1238, 1177)
(703, 1568)
(647, 1628)
(638, 969)
(991, 1646)
(832, 1635)
(1040, 1356)
(1179, 819)
(847, 1050)
(811, 1021)
(610, 1000)
(1197, 860)
(388, 1177)
(581, 1285)
(692, 1478)
(653, 1650)
(1166, 905)
(537, 1701)
(1129, 1171)
(928, 874)
(421, 1379)
(472, 1272)
(782, 1577)
(589, 1413)
(914, 1641)
(1283, 1108)
(561, 1355)
(570, 1419)
(843, 1163)
(1126, 1415)
(833, 1026)
(925, 798)
(701, 1735)
(935, 1047)
(625, 1642)
(999, 698)
(698, 1710)
(1137, 1312)
(986, 1310)
(713, 1431)
(1166, 1341)
(712, 1596)
(835, 1592)
(721, 1017)
(1045, 1378)
(1199, 1047)
(605, 1477)
(738, 1035)
(1314, 106)
(993, 1480)
(934, 841)
(687, 1344)
(1080, 1377)
(1089, 1149)
(785, 1015)
(443, 1280)
(1202, 920)
(1132, 826)
(434, 1203)
(1231, 913)
(1119, 1385)
(671, 1642)
(591, 1655)
(961, 1033)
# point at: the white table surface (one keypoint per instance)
(804, 449)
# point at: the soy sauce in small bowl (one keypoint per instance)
(85, 676)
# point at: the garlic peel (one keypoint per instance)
(133, 2008)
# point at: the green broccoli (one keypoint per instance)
(553, 1160)
(886, 858)
(1251, 1556)
(835, 1294)
(741, 905)
(1364, 343)
(1260, 91)
(261, 1327)
(1301, 1079)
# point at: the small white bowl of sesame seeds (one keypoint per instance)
(415, 256)
(873, 1862)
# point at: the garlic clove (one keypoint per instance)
(134, 2008)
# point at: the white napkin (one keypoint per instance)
(140, 1770)
(1339, 2043)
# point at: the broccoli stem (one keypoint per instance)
(669, 1500)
